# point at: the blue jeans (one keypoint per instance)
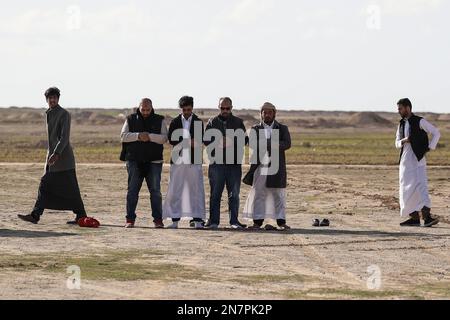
(135, 180)
(221, 175)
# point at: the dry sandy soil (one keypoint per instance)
(304, 263)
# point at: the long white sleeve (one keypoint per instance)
(126, 136)
(162, 137)
(398, 140)
(429, 128)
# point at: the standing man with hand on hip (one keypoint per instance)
(412, 140)
(143, 136)
(226, 170)
(58, 189)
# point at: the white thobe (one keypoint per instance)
(413, 173)
(264, 203)
(186, 193)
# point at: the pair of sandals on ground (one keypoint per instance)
(323, 223)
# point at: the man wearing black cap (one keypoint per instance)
(58, 189)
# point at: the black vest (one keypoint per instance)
(143, 151)
(417, 137)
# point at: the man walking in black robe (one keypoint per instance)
(58, 189)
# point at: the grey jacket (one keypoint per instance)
(58, 132)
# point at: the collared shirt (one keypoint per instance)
(186, 126)
(268, 129)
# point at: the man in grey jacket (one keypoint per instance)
(58, 189)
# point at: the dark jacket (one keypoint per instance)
(417, 136)
(177, 123)
(143, 151)
(278, 180)
(58, 131)
(232, 123)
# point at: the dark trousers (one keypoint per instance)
(135, 179)
(221, 175)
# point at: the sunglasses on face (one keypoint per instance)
(225, 108)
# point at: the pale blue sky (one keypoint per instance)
(322, 54)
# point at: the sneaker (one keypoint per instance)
(193, 224)
(284, 227)
(254, 227)
(158, 224)
(325, 223)
(412, 222)
(28, 218)
(316, 223)
(174, 225)
(199, 225)
(129, 224)
(238, 225)
(429, 222)
(270, 227)
(212, 226)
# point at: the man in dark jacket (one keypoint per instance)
(186, 195)
(58, 189)
(226, 169)
(268, 176)
(143, 136)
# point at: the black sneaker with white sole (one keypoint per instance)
(429, 222)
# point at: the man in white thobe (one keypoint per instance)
(412, 139)
(267, 197)
(186, 195)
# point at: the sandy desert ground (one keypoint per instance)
(342, 261)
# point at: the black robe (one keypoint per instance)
(59, 191)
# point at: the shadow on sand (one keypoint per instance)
(7, 233)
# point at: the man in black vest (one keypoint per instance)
(226, 170)
(143, 136)
(412, 140)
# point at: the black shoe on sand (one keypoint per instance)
(411, 223)
(28, 218)
(429, 222)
